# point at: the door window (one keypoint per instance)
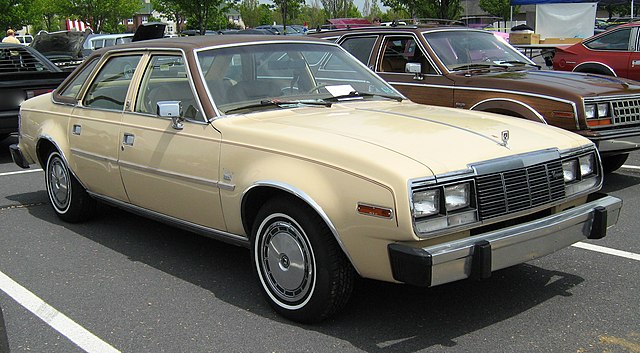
(398, 51)
(109, 89)
(166, 79)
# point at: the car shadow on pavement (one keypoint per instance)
(620, 180)
(381, 317)
(5, 156)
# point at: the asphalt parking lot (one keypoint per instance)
(124, 283)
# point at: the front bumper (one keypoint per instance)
(479, 255)
(616, 141)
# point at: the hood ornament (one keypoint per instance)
(504, 135)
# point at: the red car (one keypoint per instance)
(615, 52)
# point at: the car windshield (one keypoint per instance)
(283, 75)
(465, 50)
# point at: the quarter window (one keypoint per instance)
(617, 40)
(109, 89)
(360, 47)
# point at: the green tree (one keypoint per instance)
(100, 13)
(498, 8)
(338, 8)
(44, 14)
(313, 15)
(14, 13)
(445, 9)
(288, 9)
(202, 14)
(250, 12)
(171, 10)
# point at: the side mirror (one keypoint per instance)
(415, 69)
(173, 110)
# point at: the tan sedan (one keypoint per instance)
(296, 150)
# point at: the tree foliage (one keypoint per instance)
(498, 8)
(14, 13)
(99, 14)
(445, 9)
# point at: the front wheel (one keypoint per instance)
(612, 163)
(69, 199)
(303, 273)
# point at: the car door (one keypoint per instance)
(95, 125)
(428, 86)
(165, 169)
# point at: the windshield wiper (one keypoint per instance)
(517, 62)
(475, 66)
(356, 94)
(279, 103)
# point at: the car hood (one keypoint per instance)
(551, 83)
(59, 44)
(395, 134)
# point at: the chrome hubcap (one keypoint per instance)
(286, 261)
(58, 183)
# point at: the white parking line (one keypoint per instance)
(21, 172)
(604, 250)
(58, 321)
(630, 167)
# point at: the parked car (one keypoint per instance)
(473, 69)
(24, 74)
(97, 41)
(25, 39)
(614, 52)
(63, 48)
(294, 149)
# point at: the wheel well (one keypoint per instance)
(44, 148)
(594, 68)
(504, 112)
(257, 197)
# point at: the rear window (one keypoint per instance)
(17, 59)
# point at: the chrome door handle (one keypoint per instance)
(76, 129)
(127, 139)
(634, 63)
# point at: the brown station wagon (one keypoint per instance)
(473, 69)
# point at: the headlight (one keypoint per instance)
(441, 207)
(570, 170)
(587, 165)
(603, 110)
(590, 111)
(581, 173)
(456, 196)
(426, 203)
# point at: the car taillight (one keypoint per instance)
(37, 92)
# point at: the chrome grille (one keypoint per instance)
(626, 111)
(516, 190)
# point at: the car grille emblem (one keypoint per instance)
(505, 137)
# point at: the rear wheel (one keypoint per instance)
(303, 273)
(612, 163)
(69, 199)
